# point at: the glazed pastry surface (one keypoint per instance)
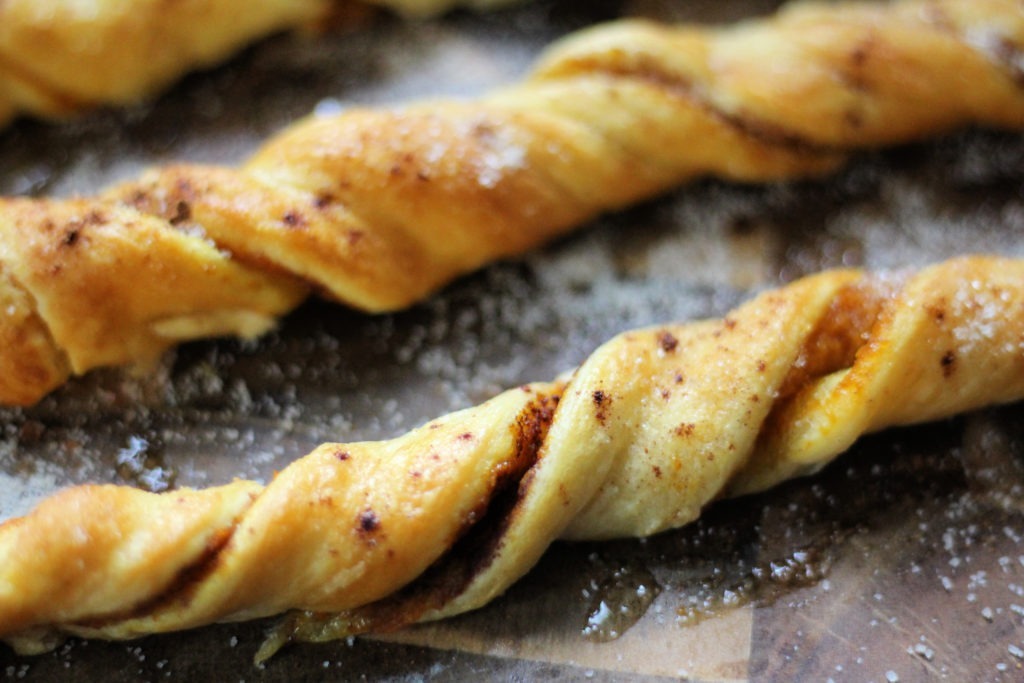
(60, 57)
(378, 208)
(653, 426)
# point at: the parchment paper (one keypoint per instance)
(915, 535)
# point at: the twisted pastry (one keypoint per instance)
(653, 426)
(378, 208)
(61, 56)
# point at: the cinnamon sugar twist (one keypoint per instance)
(377, 208)
(652, 427)
(62, 56)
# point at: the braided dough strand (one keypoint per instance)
(656, 424)
(379, 208)
(60, 57)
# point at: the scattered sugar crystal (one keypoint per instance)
(924, 651)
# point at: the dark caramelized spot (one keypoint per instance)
(294, 219)
(182, 212)
(602, 401)
(948, 363)
(400, 168)
(854, 76)
(667, 342)
(138, 199)
(341, 455)
(95, 217)
(74, 227)
(368, 522)
(685, 429)
(172, 203)
(323, 200)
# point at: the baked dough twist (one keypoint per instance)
(62, 56)
(378, 208)
(653, 426)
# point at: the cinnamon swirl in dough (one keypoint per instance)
(648, 430)
(378, 208)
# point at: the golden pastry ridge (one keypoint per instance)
(378, 208)
(653, 426)
(60, 57)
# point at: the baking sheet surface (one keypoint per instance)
(905, 555)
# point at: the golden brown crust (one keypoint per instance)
(379, 208)
(60, 57)
(115, 286)
(57, 58)
(32, 363)
(652, 427)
